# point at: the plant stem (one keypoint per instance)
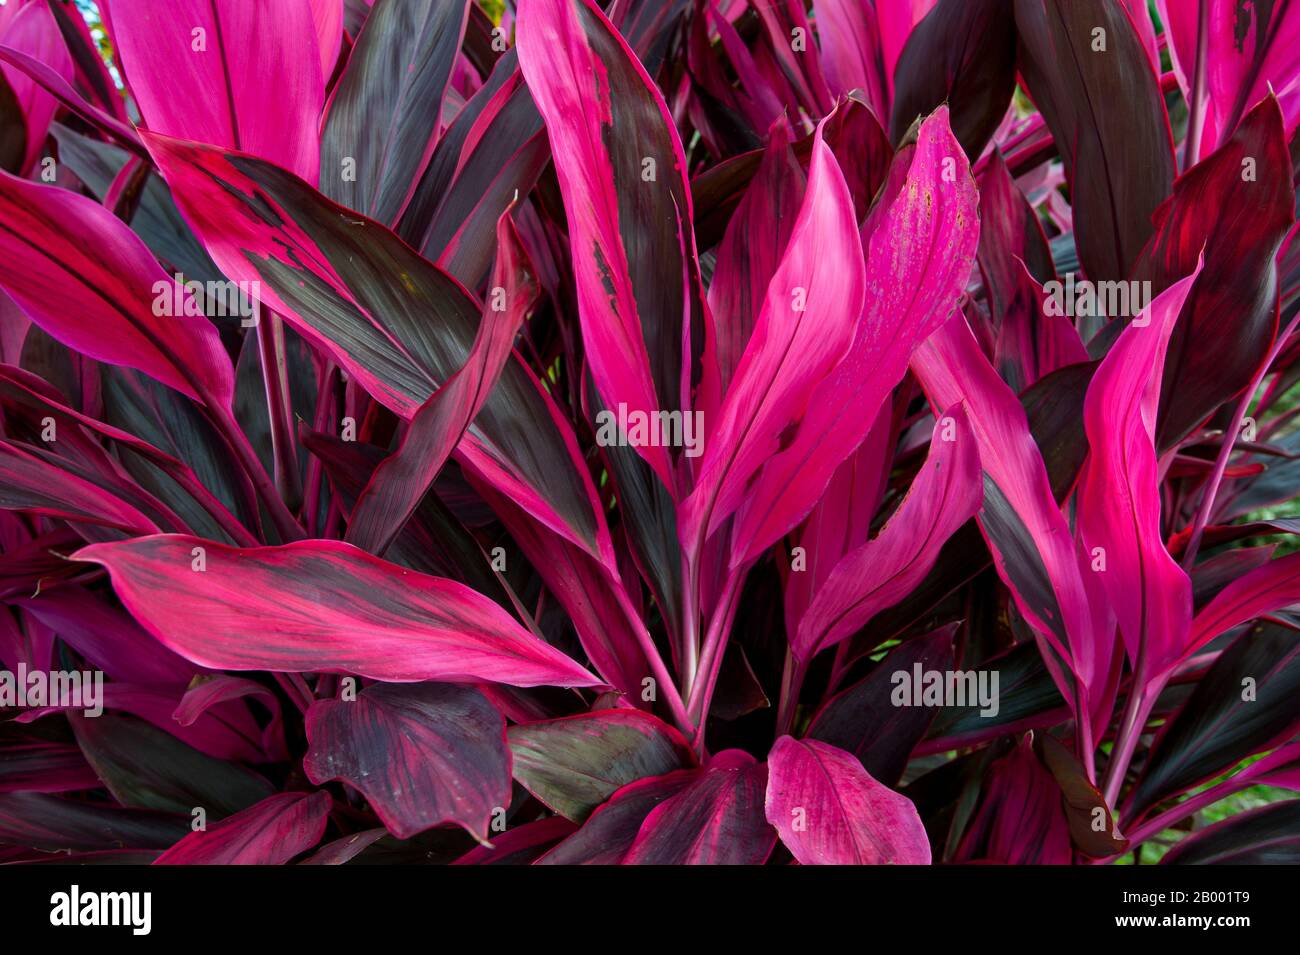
(690, 637)
(1187, 807)
(1196, 105)
(1142, 699)
(662, 677)
(275, 378)
(218, 511)
(792, 675)
(715, 642)
(285, 523)
(315, 477)
(293, 691)
(1087, 746)
(1229, 442)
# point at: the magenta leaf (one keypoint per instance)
(34, 32)
(1254, 49)
(403, 478)
(195, 76)
(1119, 497)
(851, 53)
(613, 143)
(863, 719)
(206, 692)
(715, 820)
(1118, 157)
(79, 273)
(520, 845)
(593, 599)
(32, 764)
(829, 811)
(1032, 547)
(495, 146)
(384, 115)
(338, 279)
(1021, 818)
(609, 832)
(920, 242)
(945, 494)
(1268, 835)
(804, 329)
(269, 833)
(322, 606)
(422, 754)
(1220, 723)
(1271, 587)
(897, 21)
(751, 251)
(1233, 209)
(30, 482)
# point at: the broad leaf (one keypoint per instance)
(423, 754)
(576, 763)
(322, 606)
(196, 74)
(622, 171)
(716, 820)
(829, 811)
(864, 720)
(920, 242)
(609, 832)
(963, 54)
(83, 276)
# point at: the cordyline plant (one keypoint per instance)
(687, 431)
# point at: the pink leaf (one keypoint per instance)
(422, 754)
(920, 243)
(82, 275)
(322, 606)
(804, 330)
(1119, 498)
(851, 53)
(716, 820)
(196, 74)
(1033, 549)
(897, 19)
(945, 494)
(403, 478)
(829, 811)
(34, 32)
(269, 833)
(622, 171)
(1263, 590)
